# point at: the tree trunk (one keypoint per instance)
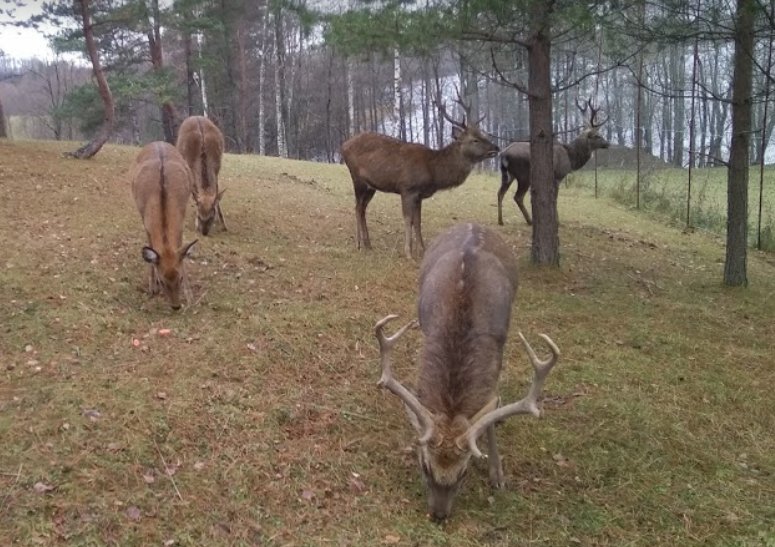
(737, 175)
(168, 116)
(543, 191)
(262, 55)
(679, 82)
(3, 131)
(89, 149)
(279, 84)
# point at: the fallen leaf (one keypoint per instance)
(165, 332)
(161, 395)
(391, 539)
(171, 469)
(28, 348)
(251, 347)
(307, 495)
(198, 466)
(149, 478)
(357, 486)
(133, 513)
(42, 487)
(92, 413)
(115, 447)
(169, 542)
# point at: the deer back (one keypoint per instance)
(161, 186)
(201, 144)
(468, 280)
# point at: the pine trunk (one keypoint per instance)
(91, 148)
(735, 273)
(543, 191)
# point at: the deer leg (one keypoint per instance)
(409, 204)
(506, 180)
(496, 468)
(519, 197)
(154, 284)
(363, 195)
(220, 217)
(417, 223)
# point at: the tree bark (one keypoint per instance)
(735, 273)
(89, 149)
(168, 116)
(543, 190)
(3, 131)
(279, 84)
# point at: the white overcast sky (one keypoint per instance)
(23, 43)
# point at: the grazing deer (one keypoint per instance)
(468, 279)
(377, 162)
(515, 161)
(161, 186)
(201, 144)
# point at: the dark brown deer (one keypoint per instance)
(515, 161)
(468, 279)
(377, 162)
(201, 144)
(161, 186)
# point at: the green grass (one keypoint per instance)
(257, 420)
(664, 193)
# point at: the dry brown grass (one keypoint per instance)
(257, 420)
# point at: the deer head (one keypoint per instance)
(446, 443)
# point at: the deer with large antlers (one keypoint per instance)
(515, 161)
(468, 279)
(416, 172)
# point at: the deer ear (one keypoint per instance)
(150, 256)
(185, 251)
(457, 131)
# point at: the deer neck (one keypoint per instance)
(449, 166)
(579, 152)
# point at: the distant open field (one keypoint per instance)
(664, 193)
(257, 421)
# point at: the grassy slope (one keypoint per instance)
(257, 420)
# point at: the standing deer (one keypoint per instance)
(377, 162)
(468, 280)
(161, 186)
(515, 161)
(201, 144)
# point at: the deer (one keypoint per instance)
(415, 171)
(515, 161)
(467, 283)
(161, 186)
(201, 144)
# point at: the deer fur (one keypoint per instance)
(468, 280)
(201, 144)
(161, 186)
(416, 172)
(515, 163)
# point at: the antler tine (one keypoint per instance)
(593, 112)
(527, 405)
(390, 383)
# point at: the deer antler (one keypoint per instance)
(592, 113)
(466, 111)
(387, 381)
(527, 405)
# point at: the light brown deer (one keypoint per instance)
(161, 186)
(515, 161)
(416, 172)
(201, 144)
(468, 279)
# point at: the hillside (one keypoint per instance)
(256, 420)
